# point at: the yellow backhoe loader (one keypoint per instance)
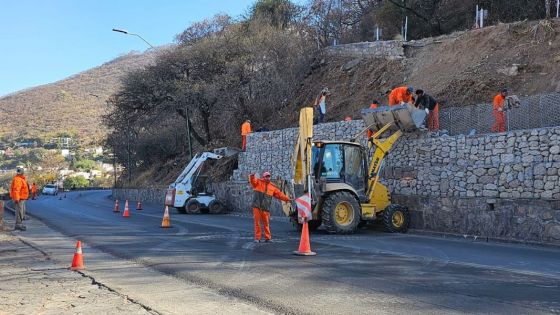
(343, 176)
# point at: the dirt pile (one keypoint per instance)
(460, 69)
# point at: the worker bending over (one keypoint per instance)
(401, 95)
(499, 111)
(264, 190)
(429, 103)
(245, 131)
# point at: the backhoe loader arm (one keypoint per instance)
(382, 148)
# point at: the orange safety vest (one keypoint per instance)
(499, 101)
(399, 95)
(19, 189)
(263, 193)
(246, 128)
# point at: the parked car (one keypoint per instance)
(50, 190)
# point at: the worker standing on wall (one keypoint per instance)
(374, 104)
(499, 111)
(245, 131)
(264, 190)
(321, 103)
(426, 101)
(401, 95)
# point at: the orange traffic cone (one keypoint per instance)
(304, 246)
(139, 205)
(78, 260)
(125, 213)
(165, 223)
(116, 209)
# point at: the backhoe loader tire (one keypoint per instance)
(216, 207)
(396, 219)
(193, 207)
(341, 213)
(181, 210)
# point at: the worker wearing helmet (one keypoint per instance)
(19, 192)
(401, 95)
(499, 111)
(264, 190)
(245, 131)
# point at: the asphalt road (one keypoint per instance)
(370, 272)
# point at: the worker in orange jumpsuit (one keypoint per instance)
(33, 191)
(264, 190)
(374, 104)
(245, 130)
(499, 111)
(19, 192)
(401, 95)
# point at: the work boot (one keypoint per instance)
(20, 227)
(257, 241)
(268, 241)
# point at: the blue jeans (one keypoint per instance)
(321, 116)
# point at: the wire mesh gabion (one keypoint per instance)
(535, 111)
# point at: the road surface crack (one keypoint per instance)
(128, 298)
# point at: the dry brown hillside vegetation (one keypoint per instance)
(73, 104)
(460, 69)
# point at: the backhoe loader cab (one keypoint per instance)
(345, 175)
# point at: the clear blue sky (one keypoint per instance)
(43, 41)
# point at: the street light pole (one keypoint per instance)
(132, 34)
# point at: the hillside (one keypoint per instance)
(75, 103)
(460, 69)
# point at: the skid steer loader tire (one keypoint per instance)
(181, 210)
(341, 213)
(193, 207)
(396, 219)
(216, 207)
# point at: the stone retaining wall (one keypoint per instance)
(502, 185)
(391, 49)
(146, 195)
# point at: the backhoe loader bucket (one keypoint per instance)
(406, 118)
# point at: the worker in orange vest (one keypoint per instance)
(19, 192)
(33, 191)
(374, 104)
(499, 111)
(264, 190)
(245, 131)
(401, 95)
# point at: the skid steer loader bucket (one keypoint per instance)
(406, 118)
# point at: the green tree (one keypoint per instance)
(84, 165)
(75, 182)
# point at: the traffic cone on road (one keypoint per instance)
(78, 260)
(304, 245)
(139, 205)
(116, 209)
(166, 223)
(125, 213)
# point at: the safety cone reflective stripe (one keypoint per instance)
(78, 260)
(126, 214)
(139, 205)
(304, 245)
(116, 209)
(165, 223)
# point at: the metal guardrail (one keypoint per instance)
(536, 111)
